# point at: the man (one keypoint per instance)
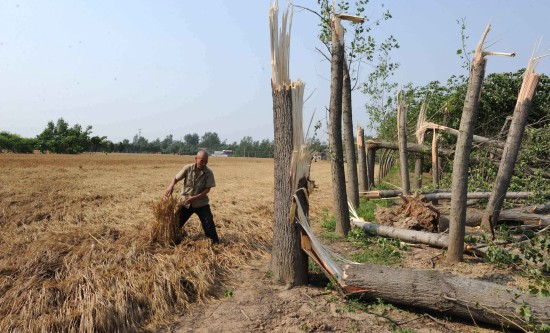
(198, 179)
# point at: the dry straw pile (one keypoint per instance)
(165, 230)
(75, 240)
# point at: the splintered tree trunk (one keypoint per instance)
(471, 299)
(352, 188)
(362, 159)
(287, 256)
(288, 261)
(461, 162)
(402, 138)
(339, 196)
(511, 149)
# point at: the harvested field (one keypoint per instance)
(76, 253)
(75, 250)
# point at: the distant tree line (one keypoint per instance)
(60, 138)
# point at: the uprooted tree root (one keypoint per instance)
(413, 213)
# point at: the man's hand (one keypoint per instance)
(170, 188)
(189, 200)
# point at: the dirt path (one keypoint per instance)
(255, 304)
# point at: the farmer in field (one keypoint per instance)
(197, 181)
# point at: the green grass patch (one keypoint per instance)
(367, 208)
(328, 221)
(376, 250)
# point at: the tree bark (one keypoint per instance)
(435, 160)
(402, 138)
(286, 257)
(474, 217)
(371, 161)
(449, 294)
(511, 149)
(362, 160)
(411, 236)
(462, 155)
(349, 141)
(339, 196)
(411, 148)
(477, 195)
(418, 171)
(288, 261)
(382, 194)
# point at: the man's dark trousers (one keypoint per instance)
(207, 220)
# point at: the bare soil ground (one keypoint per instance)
(43, 195)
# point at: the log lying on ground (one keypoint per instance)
(478, 195)
(381, 194)
(411, 147)
(474, 216)
(394, 193)
(411, 236)
(443, 292)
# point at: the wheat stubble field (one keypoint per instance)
(75, 250)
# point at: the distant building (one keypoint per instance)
(319, 156)
(223, 153)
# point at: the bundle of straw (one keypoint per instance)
(165, 230)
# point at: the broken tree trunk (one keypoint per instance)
(339, 196)
(349, 142)
(452, 131)
(288, 261)
(478, 195)
(407, 235)
(402, 139)
(462, 154)
(476, 300)
(411, 148)
(511, 149)
(474, 217)
(419, 139)
(362, 157)
(382, 194)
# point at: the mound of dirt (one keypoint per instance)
(414, 213)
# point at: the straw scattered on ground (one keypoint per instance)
(76, 252)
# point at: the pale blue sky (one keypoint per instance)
(179, 67)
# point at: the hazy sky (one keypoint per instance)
(179, 67)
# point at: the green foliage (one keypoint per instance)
(62, 139)
(364, 48)
(367, 208)
(16, 144)
(228, 293)
(376, 250)
(328, 221)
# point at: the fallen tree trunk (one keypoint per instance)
(411, 147)
(474, 217)
(381, 194)
(411, 236)
(478, 195)
(449, 294)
